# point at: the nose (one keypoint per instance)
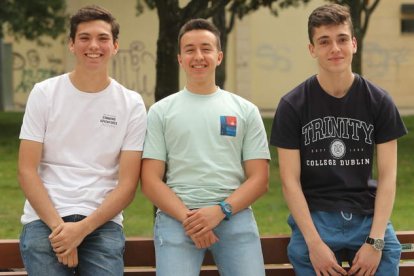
(335, 47)
(198, 55)
(94, 43)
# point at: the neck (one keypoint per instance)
(336, 85)
(90, 82)
(203, 88)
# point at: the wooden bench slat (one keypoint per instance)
(10, 254)
(139, 257)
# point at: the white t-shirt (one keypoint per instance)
(82, 135)
(204, 140)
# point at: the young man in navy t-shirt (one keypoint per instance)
(326, 130)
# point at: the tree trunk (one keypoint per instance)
(359, 35)
(167, 69)
(219, 19)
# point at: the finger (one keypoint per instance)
(75, 257)
(191, 212)
(201, 232)
(56, 231)
(195, 229)
(340, 270)
(189, 226)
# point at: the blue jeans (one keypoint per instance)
(344, 233)
(100, 253)
(238, 251)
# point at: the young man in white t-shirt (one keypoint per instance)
(79, 160)
(214, 146)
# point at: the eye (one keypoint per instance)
(343, 40)
(323, 42)
(104, 38)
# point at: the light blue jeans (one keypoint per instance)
(343, 233)
(100, 253)
(238, 251)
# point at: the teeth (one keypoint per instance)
(93, 55)
(198, 66)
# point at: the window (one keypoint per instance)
(407, 18)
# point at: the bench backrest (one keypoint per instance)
(140, 252)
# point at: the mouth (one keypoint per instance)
(336, 58)
(93, 55)
(198, 66)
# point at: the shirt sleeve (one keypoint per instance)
(286, 130)
(35, 116)
(155, 146)
(255, 144)
(389, 125)
(137, 126)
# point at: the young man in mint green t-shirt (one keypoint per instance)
(212, 147)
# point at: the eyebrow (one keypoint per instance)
(327, 37)
(89, 34)
(202, 45)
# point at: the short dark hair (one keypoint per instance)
(329, 14)
(199, 24)
(91, 13)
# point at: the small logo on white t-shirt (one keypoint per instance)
(109, 120)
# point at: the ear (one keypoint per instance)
(311, 48)
(180, 60)
(70, 46)
(354, 45)
(116, 47)
(220, 57)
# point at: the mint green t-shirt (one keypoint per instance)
(204, 140)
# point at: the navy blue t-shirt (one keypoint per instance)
(336, 138)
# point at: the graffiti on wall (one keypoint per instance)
(379, 60)
(135, 69)
(30, 67)
(271, 58)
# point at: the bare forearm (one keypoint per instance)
(387, 175)
(38, 197)
(115, 202)
(255, 185)
(384, 203)
(165, 199)
(246, 195)
(300, 211)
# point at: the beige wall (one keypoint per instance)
(267, 56)
(389, 55)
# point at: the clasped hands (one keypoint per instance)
(65, 239)
(200, 223)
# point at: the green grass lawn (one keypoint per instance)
(270, 210)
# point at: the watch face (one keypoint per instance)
(379, 244)
(227, 207)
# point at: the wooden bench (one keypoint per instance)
(140, 260)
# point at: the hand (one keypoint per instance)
(200, 221)
(366, 261)
(324, 261)
(71, 260)
(206, 240)
(66, 237)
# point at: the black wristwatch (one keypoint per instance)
(378, 244)
(226, 209)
